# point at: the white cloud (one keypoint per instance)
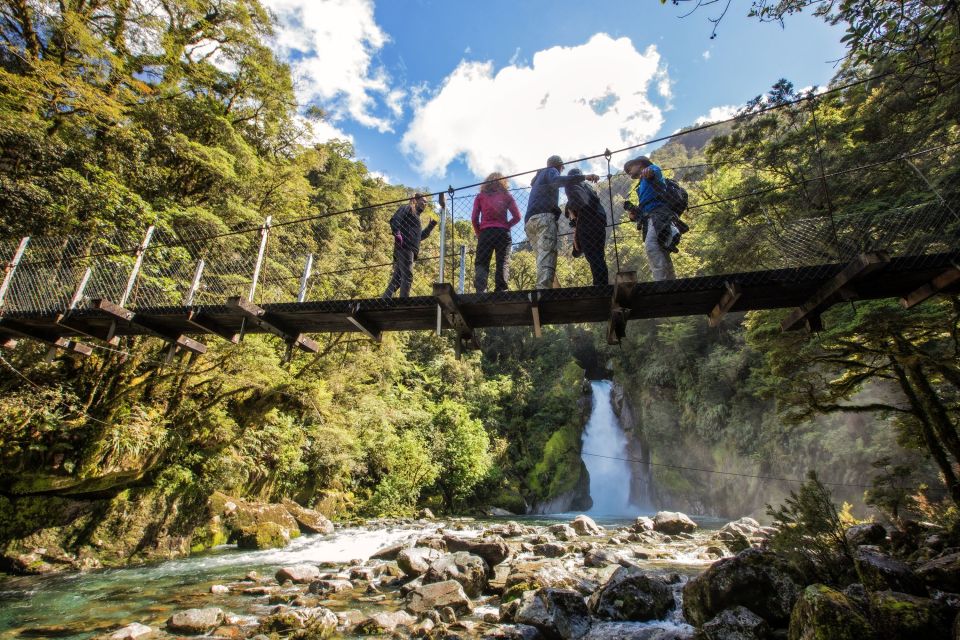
(382, 176)
(572, 100)
(330, 45)
(717, 114)
(706, 54)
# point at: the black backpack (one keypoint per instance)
(674, 196)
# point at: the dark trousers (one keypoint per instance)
(591, 236)
(402, 276)
(598, 265)
(491, 241)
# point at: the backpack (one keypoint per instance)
(674, 195)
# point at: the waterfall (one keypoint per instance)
(610, 479)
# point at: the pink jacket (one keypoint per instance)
(490, 211)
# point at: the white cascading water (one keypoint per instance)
(610, 478)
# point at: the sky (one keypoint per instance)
(442, 92)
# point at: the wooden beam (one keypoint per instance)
(149, 325)
(731, 294)
(932, 288)
(864, 265)
(261, 318)
(17, 329)
(623, 287)
(363, 325)
(617, 326)
(447, 299)
(535, 312)
(207, 324)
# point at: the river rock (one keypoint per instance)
(599, 558)
(492, 549)
(556, 613)
(467, 569)
(901, 615)
(880, 572)
(585, 526)
(415, 561)
(298, 574)
(131, 631)
(265, 535)
(385, 622)
(437, 595)
(739, 534)
(426, 514)
(673, 523)
(869, 533)
(738, 623)
(822, 613)
(631, 594)
(511, 529)
(326, 587)
(759, 580)
(195, 621)
(633, 631)
(550, 549)
(390, 552)
(942, 573)
(513, 632)
(315, 622)
(535, 574)
(563, 532)
(308, 520)
(641, 524)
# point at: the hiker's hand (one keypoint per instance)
(592, 177)
(398, 239)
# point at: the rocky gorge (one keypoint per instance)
(651, 578)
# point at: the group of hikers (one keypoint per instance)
(651, 203)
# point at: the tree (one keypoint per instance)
(461, 449)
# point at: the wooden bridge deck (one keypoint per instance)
(810, 289)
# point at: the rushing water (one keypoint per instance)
(610, 476)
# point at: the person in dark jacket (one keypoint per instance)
(407, 234)
(543, 210)
(586, 213)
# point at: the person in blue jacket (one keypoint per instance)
(543, 211)
(653, 213)
(407, 234)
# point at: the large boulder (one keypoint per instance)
(265, 535)
(307, 622)
(390, 552)
(415, 561)
(385, 622)
(513, 632)
(600, 557)
(642, 524)
(822, 613)
(326, 587)
(132, 631)
(556, 613)
(942, 573)
(298, 573)
(738, 623)
(492, 549)
(880, 572)
(536, 574)
(195, 621)
(673, 523)
(563, 532)
(585, 526)
(631, 594)
(510, 529)
(550, 550)
(739, 534)
(308, 520)
(634, 631)
(430, 597)
(901, 615)
(467, 569)
(759, 580)
(869, 533)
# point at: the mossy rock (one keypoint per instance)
(822, 613)
(900, 615)
(517, 591)
(266, 535)
(208, 536)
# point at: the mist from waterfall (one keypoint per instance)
(610, 479)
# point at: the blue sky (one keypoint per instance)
(435, 92)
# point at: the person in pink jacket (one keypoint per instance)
(492, 228)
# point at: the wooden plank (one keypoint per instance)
(209, 325)
(261, 318)
(617, 325)
(932, 288)
(732, 293)
(363, 325)
(623, 285)
(535, 313)
(151, 326)
(864, 265)
(447, 299)
(17, 329)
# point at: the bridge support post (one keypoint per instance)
(272, 324)
(447, 301)
(731, 294)
(11, 268)
(535, 312)
(928, 290)
(363, 325)
(620, 306)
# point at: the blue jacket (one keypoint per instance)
(545, 191)
(649, 199)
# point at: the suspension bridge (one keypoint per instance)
(187, 284)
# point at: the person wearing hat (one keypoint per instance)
(407, 234)
(653, 213)
(543, 211)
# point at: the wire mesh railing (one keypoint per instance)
(801, 207)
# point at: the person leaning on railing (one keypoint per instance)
(492, 228)
(589, 220)
(543, 210)
(652, 213)
(407, 234)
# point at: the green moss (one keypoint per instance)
(822, 613)
(267, 535)
(516, 591)
(559, 469)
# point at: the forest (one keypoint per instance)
(114, 116)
